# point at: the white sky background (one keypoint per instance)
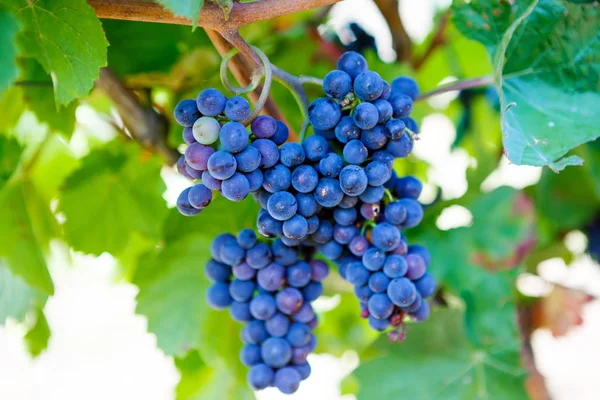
(100, 349)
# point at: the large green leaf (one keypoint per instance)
(66, 37)
(26, 226)
(185, 8)
(37, 337)
(547, 61)
(8, 51)
(17, 298)
(437, 361)
(116, 192)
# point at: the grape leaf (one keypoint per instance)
(37, 337)
(11, 104)
(10, 154)
(455, 368)
(66, 37)
(116, 192)
(189, 9)
(17, 298)
(547, 60)
(8, 51)
(26, 228)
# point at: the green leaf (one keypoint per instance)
(10, 155)
(454, 367)
(8, 51)
(66, 37)
(189, 9)
(11, 104)
(17, 298)
(37, 337)
(225, 5)
(41, 99)
(116, 192)
(547, 58)
(25, 230)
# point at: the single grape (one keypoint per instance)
(235, 188)
(401, 104)
(186, 112)
(319, 270)
(380, 306)
(254, 332)
(283, 254)
(395, 128)
(365, 115)
(291, 154)
(386, 92)
(260, 377)
(332, 250)
(263, 306)
(422, 313)
(197, 156)
(379, 325)
(407, 86)
(218, 243)
(385, 236)
(211, 102)
(402, 147)
(353, 180)
(305, 314)
(378, 282)
(373, 259)
(304, 370)
(194, 173)
(337, 84)
(377, 173)
(237, 108)
(409, 187)
(346, 130)
(352, 63)
(264, 126)
(259, 256)
(374, 138)
(278, 325)
(305, 179)
(199, 196)
(395, 266)
(216, 271)
(277, 178)
(250, 355)
(395, 213)
(312, 291)
(315, 147)
(295, 227)
(243, 271)
(268, 226)
(344, 234)
(206, 130)
(416, 266)
(282, 206)
(345, 216)
(241, 290)
(411, 124)
(248, 159)
(331, 165)
(385, 110)
(210, 182)
(233, 137)
(217, 296)
(184, 206)
(255, 180)
(271, 277)
(358, 245)
(307, 205)
(222, 165)
(372, 194)
(281, 133)
(287, 380)
(325, 232)
(414, 213)
(402, 292)
(324, 113)
(368, 85)
(299, 274)
(363, 293)
(289, 300)
(357, 274)
(268, 151)
(231, 253)
(298, 334)
(422, 251)
(328, 192)
(188, 135)
(355, 152)
(240, 311)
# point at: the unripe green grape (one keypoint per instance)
(206, 130)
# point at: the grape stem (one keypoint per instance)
(462, 84)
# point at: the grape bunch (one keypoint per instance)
(336, 194)
(268, 288)
(219, 152)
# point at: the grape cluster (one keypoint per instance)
(220, 150)
(269, 288)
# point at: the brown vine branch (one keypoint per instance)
(211, 16)
(145, 125)
(401, 40)
(462, 84)
(439, 39)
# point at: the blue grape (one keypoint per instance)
(263, 306)
(307, 205)
(395, 128)
(241, 290)
(295, 227)
(355, 152)
(395, 266)
(346, 130)
(319, 270)
(291, 154)
(299, 274)
(370, 211)
(260, 377)
(409, 187)
(277, 178)
(298, 334)
(254, 332)
(384, 109)
(395, 213)
(416, 266)
(188, 135)
(217, 296)
(377, 173)
(331, 165)
(197, 156)
(328, 192)
(313, 224)
(222, 165)
(255, 180)
(400, 148)
(240, 311)
(358, 245)
(337, 84)
(181, 167)
(268, 226)
(278, 325)
(372, 194)
(186, 112)
(378, 282)
(368, 85)
(193, 173)
(305, 179)
(289, 300)
(385, 236)
(264, 126)
(373, 259)
(348, 202)
(353, 180)
(235, 188)
(414, 213)
(231, 253)
(315, 147)
(422, 251)
(283, 254)
(345, 216)
(386, 92)
(305, 314)
(363, 293)
(402, 292)
(237, 108)
(327, 135)
(248, 159)
(357, 274)
(324, 233)
(184, 206)
(282, 206)
(374, 138)
(365, 116)
(268, 151)
(312, 291)
(414, 306)
(401, 104)
(287, 380)
(216, 271)
(259, 256)
(352, 63)
(250, 355)
(243, 271)
(407, 86)
(324, 114)
(304, 370)
(422, 313)
(332, 250)
(344, 234)
(300, 354)
(281, 133)
(218, 243)
(210, 182)
(271, 277)
(380, 306)
(379, 325)
(211, 102)
(276, 352)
